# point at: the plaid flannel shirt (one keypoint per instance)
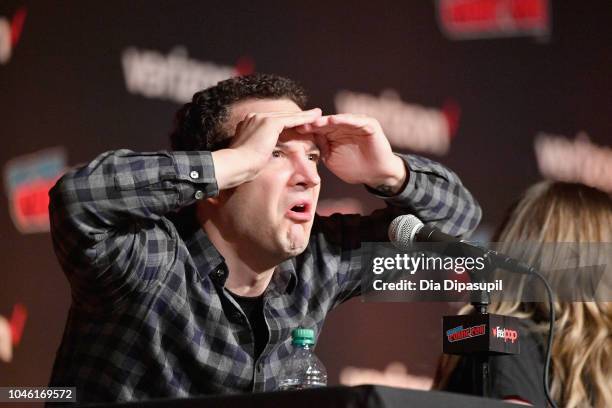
(150, 316)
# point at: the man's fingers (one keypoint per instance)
(281, 114)
(283, 120)
(315, 112)
(299, 118)
(318, 124)
(311, 121)
(343, 119)
(342, 124)
(303, 129)
(351, 120)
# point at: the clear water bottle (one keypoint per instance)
(303, 369)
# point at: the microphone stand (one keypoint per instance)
(477, 336)
(481, 344)
(481, 300)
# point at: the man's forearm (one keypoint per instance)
(231, 168)
(393, 182)
(118, 187)
(436, 195)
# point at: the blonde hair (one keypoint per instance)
(582, 346)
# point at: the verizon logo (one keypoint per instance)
(174, 76)
(407, 126)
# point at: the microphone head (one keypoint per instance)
(403, 229)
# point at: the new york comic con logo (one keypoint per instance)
(27, 180)
(508, 335)
(459, 333)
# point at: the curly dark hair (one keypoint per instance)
(199, 124)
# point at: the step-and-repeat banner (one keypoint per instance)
(500, 91)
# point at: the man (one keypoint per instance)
(190, 268)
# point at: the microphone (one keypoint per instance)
(408, 229)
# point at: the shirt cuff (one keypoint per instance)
(198, 170)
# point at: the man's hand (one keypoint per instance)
(252, 146)
(356, 150)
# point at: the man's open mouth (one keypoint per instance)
(300, 208)
(300, 211)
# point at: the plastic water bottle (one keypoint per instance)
(303, 369)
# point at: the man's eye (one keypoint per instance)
(314, 157)
(277, 153)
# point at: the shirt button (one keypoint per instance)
(238, 317)
(194, 174)
(199, 195)
(220, 273)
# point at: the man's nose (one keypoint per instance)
(306, 173)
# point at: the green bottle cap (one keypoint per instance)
(302, 336)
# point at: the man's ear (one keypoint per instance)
(212, 201)
(205, 209)
(218, 200)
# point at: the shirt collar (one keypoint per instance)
(209, 262)
(206, 257)
(284, 278)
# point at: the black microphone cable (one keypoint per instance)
(551, 331)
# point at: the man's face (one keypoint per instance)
(274, 212)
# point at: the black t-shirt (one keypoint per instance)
(253, 308)
(511, 376)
